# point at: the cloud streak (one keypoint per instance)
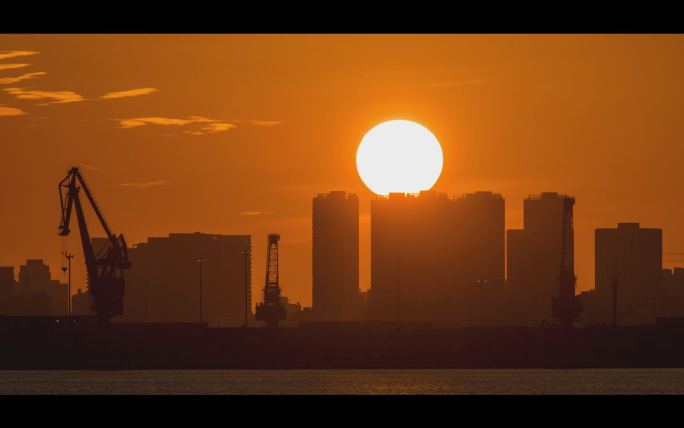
(12, 66)
(13, 54)
(200, 125)
(11, 111)
(56, 97)
(197, 125)
(129, 93)
(255, 213)
(91, 167)
(260, 123)
(7, 80)
(143, 184)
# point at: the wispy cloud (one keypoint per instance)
(13, 54)
(218, 127)
(257, 122)
(128, 93)
(142, 121)
(12, 66)
(57, 97)
(91, 167)
(11, 111)
(202, 125)
(143, 184)
(7, 80)
(255, 213)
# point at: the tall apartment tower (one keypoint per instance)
(535, 258)
(335, 256)
(431, 254)
(629, 258)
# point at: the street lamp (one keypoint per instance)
(69, 256)
(246, 254)
(200, 261)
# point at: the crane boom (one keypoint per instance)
(105, 272)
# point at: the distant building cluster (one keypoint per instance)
(435, 259)
(34, 293)
(164, 283)
(631, 286)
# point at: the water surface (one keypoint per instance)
(446, 381)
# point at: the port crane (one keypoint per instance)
(271, 309)
(105, 268)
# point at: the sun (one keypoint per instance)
(399, 156)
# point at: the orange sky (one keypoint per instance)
(236, 134)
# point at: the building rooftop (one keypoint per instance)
(337, 194)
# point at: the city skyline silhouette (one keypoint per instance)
(371, 202)
(555, 114)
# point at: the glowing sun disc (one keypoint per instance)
(399, 156)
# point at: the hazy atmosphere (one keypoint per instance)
(233, 134)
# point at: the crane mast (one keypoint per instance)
(105, 268)
(271, 310)
(566, 307)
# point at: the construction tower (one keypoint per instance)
(271, 310)
(566, 307)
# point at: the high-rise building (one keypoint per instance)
(534, 259)
(335, 257)
(430, 255)
(629, 258)
(163, 284)
(481, 216)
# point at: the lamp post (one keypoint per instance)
(69, 256)
(200, 260)
(246, 254)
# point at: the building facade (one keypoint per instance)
(534, 258)
(431, 254)
(163, 284)
(335, 257)
(35, 293)
(629, 258)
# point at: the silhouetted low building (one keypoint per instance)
(593, 310)
(81, 303)
(293, 311)
(673, 282)
(163, 284)
(7, 286)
